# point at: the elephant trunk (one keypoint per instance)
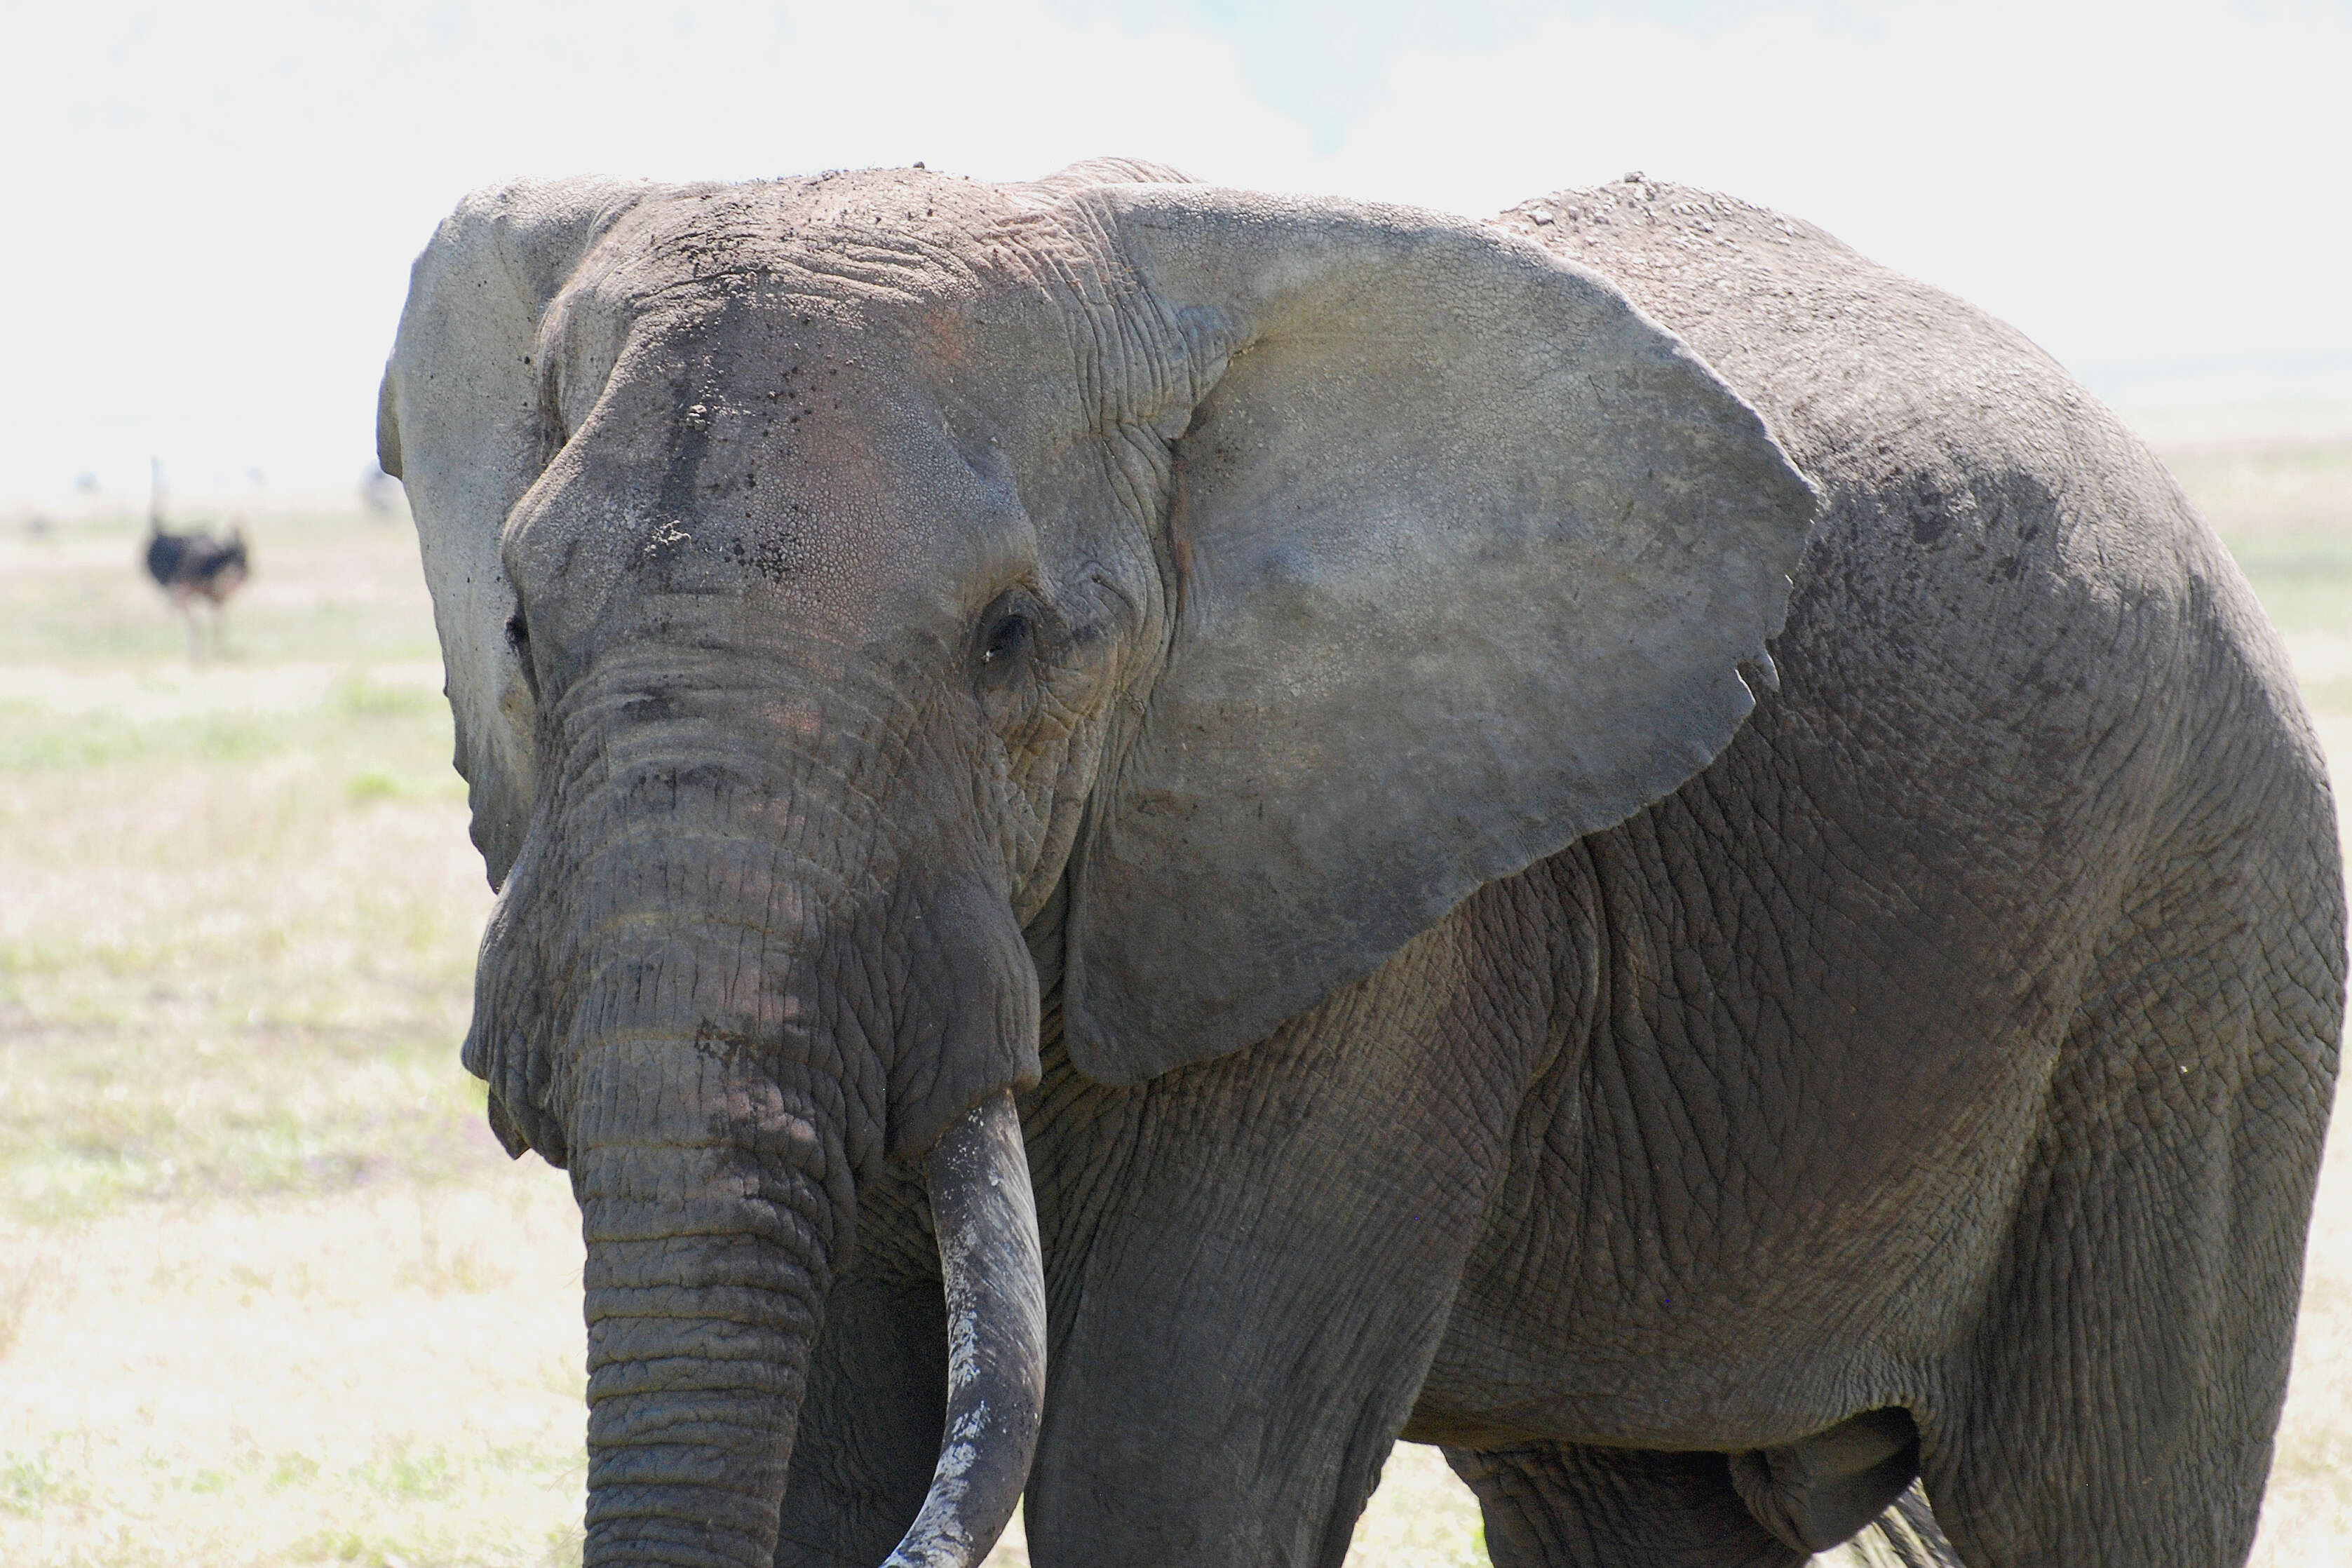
(713, 1089)
(704, 1282)
(703, 1292)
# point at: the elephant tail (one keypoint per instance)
(1906, 1536)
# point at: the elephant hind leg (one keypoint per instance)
(2123, 1390)
(1563, 1505)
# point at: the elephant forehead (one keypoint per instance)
(824, 394)
(993, 303)
(855, 250)
(816, 477)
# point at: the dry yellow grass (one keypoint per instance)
(268, 1293)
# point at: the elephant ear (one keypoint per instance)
(1468, 553)
(460, 422)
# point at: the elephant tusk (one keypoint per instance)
(986, 1219)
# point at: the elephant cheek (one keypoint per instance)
(970, 1027)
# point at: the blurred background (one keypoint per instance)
(269, 1292)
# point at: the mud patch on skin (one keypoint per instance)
(775, 549)
(666, 543)
(723, 1045)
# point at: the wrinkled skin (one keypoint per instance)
(1269, 682)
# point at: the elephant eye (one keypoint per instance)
(1008, 634)
(1005, 640)
(519, 639)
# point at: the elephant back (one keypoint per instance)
(1992, 537)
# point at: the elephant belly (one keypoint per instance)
(1720, 1331)
(1761, 1191)
(1701, 1359)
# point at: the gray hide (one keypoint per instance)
(1467, 551)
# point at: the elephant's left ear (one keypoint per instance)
(1468, 553)
(461, 421)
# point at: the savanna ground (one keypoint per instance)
(269, 1292)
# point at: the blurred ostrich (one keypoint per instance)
(194, 565)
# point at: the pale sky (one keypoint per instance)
(215, 206)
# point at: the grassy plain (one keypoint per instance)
(269, 1292)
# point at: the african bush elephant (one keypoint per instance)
(1616, 840)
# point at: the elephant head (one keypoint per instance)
(862, 594)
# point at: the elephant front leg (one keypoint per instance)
(1222, 1406)
(1241, 1327)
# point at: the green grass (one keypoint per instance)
(2286, 512)
(269, 1293)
